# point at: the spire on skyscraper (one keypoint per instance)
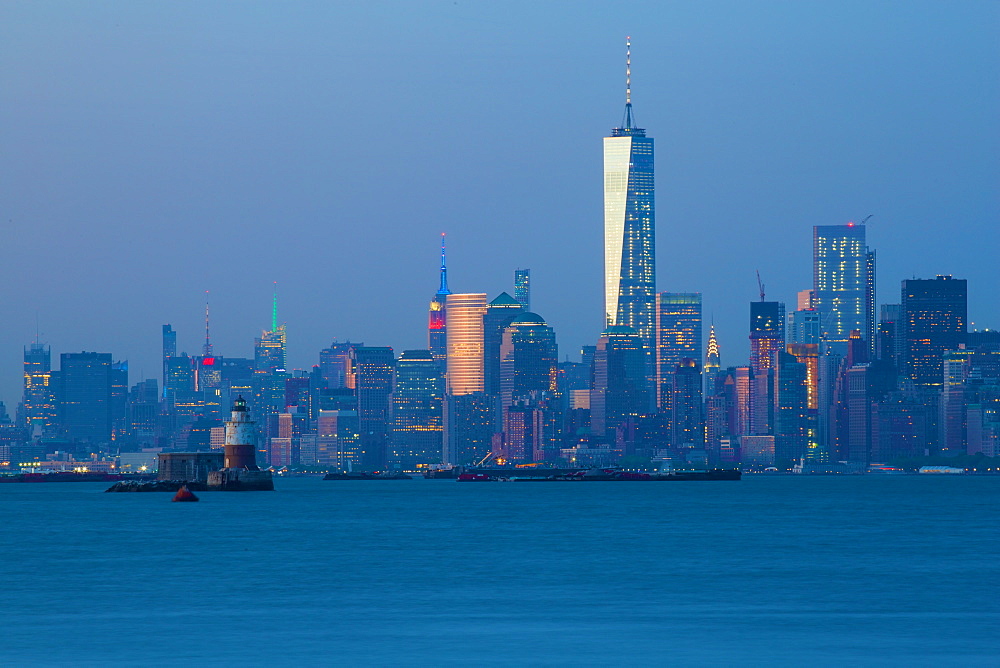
(712, 354)
(274, 309)
(443, 289)
(627, 123)
(207, 349)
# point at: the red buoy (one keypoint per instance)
(185, 494)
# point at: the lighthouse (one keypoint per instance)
(241, 453)
(240, 471)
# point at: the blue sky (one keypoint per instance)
(155, 150)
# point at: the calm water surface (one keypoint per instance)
(770, 570)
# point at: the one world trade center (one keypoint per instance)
(629, 222)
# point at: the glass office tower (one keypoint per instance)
(629, 239)
(678, 336)
(843, 283)
(522, 287)
(935, 320)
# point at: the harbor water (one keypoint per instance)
(863, 570)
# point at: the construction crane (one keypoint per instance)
(485, 459)
(760, 286)
(866, 218)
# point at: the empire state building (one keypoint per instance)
(629, 224)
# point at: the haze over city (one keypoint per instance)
(154, 152)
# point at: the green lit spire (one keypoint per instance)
(274, 309)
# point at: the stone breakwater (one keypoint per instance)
(156, 486)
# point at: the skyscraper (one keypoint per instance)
(83, 390)
(934, 320)
(374, 373)
(687, 426)
(470, 413)
(269, 350)
(843, 283)
(791, 407)
(620, 389)
(767, 334)
(37, 405)
(499, 313)
(678, 336)
(713, 362)
(522, 287)
(169, 350)
(417, 410)
(335, 364)
(437, 317)
(804, 326)
(465, 343)
(629, 226)
(528, 360)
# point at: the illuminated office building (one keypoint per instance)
(629, 227)
(678, 336)
(335, 364)
(522, 287)
(767, 334)
(529, 361)
(843, 283)
(337, 439)
(465, 343)
(269, 351)
(934, 314)
(180, 375)
(37, 405)
(417, 410)
(470, 413)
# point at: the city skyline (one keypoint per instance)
(143, 242)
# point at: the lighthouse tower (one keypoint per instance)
(241, 453)
(240, 472)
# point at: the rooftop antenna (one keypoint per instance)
(628, 83)
(443, 289)
(207, 350)
(274, 309)
(760, 286)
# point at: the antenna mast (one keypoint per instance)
(207, 349)
(628, 82)
(443, 289)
